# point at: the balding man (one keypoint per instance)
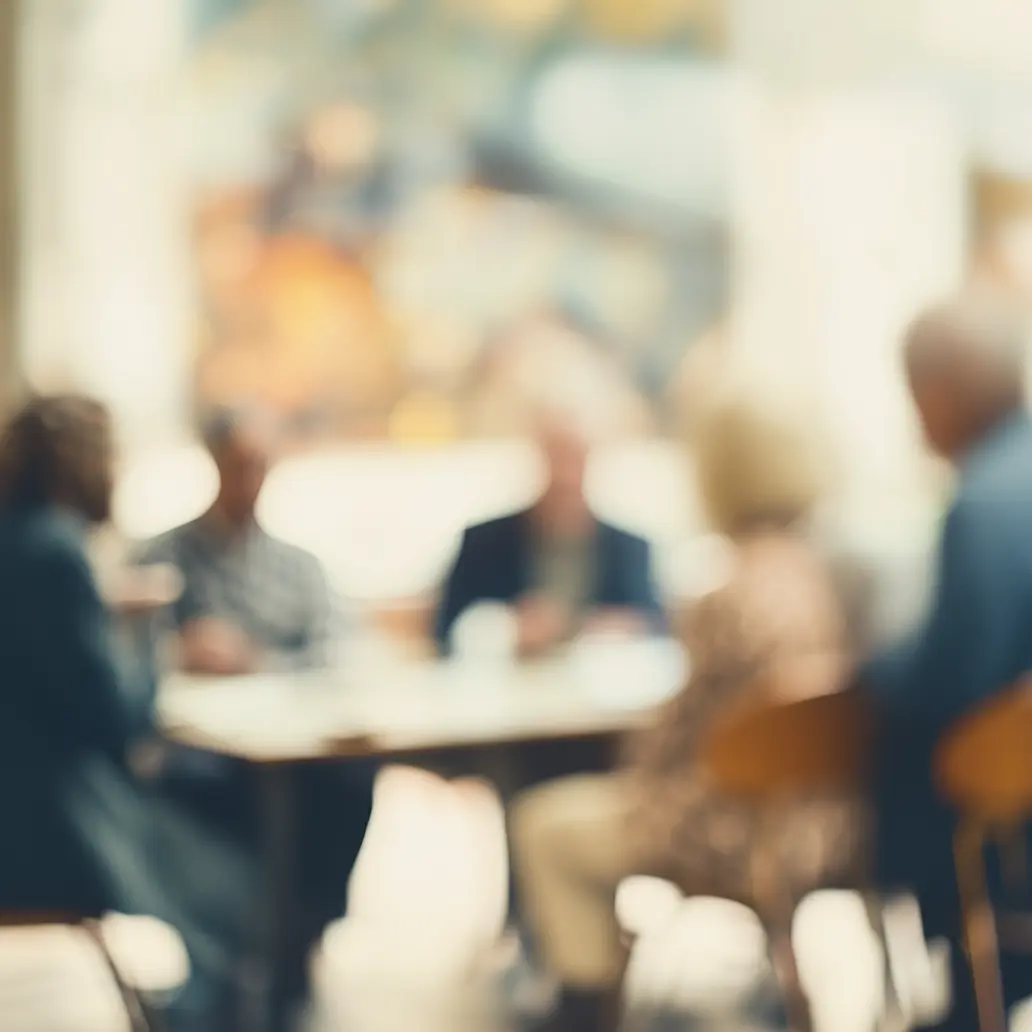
(559, 566)
(965, 364)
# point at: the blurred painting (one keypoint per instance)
(387, 248)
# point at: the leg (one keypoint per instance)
(891, 1008)
(278, 934)
(979, 927)
(570, 855)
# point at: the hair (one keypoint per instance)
(57, 449)
(757, 461)
(220, 425)
(977, 342)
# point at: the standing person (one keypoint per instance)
(965, 363)
(560, 567)
(254, 604)
(80, 833)
(576, 839)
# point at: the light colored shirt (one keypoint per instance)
(564, 570)
(275, 593)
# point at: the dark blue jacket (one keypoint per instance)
(976, 641)
(68, 714)
(495, 564)
(79, 833)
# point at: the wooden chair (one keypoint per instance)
(984, 768)
(799, 735)
(140, 1015)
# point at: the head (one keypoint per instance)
(965, 361)
(59, 450)
(566, 448)
(242, 444)
(757, 459)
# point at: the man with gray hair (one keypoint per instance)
(965, 365)
(560, 568)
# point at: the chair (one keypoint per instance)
(140, 1016)
(795, 737)
(982, 767)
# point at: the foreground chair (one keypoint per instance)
(983, 766)
(798, 737)
(135, 959)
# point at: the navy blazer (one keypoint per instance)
(975, 642)
(495, 564)
(68, 713)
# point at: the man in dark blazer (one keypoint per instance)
(559, 567)
(965, 365)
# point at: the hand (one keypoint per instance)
(616, 622)
(541, 624)
(142, 590)
(215, 647)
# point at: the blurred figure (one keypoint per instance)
(576, 839)
(563, 570)
(965, 363)
(250, 602)
(79, 833)
(254, 604)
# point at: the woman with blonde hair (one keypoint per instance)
(574, 840)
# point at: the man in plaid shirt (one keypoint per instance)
(253, 604)
(250, 602)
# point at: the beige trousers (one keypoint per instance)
(571, 851)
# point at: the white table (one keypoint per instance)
(393, 708)
(388, 708)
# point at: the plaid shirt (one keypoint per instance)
(275, 593)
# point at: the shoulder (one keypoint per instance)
(490, 531)
(53, 543)
(297, 559)
(624, 540)
(999, 479)
(167, 546)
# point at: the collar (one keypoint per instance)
(1010, 426)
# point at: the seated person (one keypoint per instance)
(560, 567)
(80, 833)
(965, 362)
(574, 840)
(252, 604)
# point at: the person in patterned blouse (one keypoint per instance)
(577, 838)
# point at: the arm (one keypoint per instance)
(963, 652)
(321, 623)
(631, 591)
(89, 698)
(458, 593)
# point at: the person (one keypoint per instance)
(80, 833)
(251, 602)
(560, 567)
(576, 839)
(254, 604)
(965, 365)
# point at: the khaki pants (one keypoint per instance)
(571, 851)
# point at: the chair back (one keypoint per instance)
(983, 764)
(799, 732)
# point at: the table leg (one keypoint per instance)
(278, 819)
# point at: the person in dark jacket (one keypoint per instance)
(80, 834)
(965, 362)
(561, 568)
